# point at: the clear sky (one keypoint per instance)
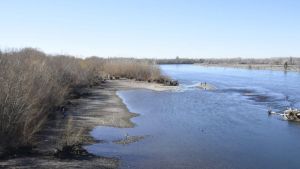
(153, 28)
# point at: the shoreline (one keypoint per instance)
(291, 68)
(98, 106)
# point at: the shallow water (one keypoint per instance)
(225, 128)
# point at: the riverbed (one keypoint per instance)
(223, 128)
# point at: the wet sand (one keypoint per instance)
(98, 106)
(130, 84)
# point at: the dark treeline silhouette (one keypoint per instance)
(247, 61)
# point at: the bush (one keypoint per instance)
(70, 144)
(132, 69)
(33, 84)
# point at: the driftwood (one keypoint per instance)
(288, 114)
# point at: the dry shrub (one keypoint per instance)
(94, 68)
(69, 146)
(71, 136)
(33, 84)
(132, 68)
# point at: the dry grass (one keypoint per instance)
(71, 136)
(33, 84)
(70, 144)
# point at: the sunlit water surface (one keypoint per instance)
(225, 128)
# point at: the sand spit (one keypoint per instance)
(131, 84)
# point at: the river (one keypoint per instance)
(225, 128)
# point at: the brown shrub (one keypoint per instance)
(32, 84)
(71, 136)
(132, 68)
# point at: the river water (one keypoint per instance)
(225, 128)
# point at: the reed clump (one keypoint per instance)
(70, 145)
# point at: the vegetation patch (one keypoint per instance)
(34, 86)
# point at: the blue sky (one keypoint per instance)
(153, 28)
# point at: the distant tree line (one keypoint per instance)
(248, 61)
(179, 61)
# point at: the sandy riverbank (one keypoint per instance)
(292, 68)
(98, 106)
(131, 84)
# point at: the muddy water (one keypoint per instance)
(224, 128)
